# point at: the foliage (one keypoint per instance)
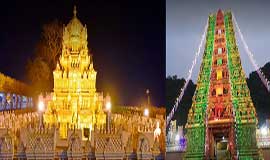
(259, 94)
(173, 85)
(50, 45)
(40, 68)
(39, 74)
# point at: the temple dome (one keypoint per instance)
(75, 34)
(75, 26)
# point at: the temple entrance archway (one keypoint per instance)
(221, 141)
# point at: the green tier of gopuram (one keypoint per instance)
(222, 119)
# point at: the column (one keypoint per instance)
(1, 102)
(27, 102)
(31, 102)
(20, 101)
(14, 98)
(4, 101)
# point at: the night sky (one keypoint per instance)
(185, 21)
(126, 38)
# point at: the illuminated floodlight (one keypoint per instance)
(177, 138)
(41, 106)
(264, 131)
(146, 112)
(108, 106)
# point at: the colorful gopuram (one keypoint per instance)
(222, 119)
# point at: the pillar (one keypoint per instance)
(31, 102)
(14, 98)
(26, 105)
(1, 103)
(19, 101)
(4, 101)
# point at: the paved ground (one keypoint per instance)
(174, 155)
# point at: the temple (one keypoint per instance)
(222, 119)
(75, 100)
(75, 121)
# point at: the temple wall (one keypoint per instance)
(34, 143)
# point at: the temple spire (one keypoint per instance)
(75, 11)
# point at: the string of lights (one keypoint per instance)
(182, 90)
(264, 80)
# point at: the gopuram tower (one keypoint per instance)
(222, 114)
(75, 104)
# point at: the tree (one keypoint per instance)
(39, 74)
(40, 68)
(173, 85)
(259, 94)
(50, 46)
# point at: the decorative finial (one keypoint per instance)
(148, 97)
(74, 11)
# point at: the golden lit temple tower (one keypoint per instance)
(75, 100)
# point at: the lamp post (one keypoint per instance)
(108, 107)
(41, 108)
(148, 97)
(78, 109)
(146, 110)
(79, 105)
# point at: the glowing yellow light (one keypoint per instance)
(90, 127)
(41, 106)
(74, 76)
(157, 131)
(108, 106)
(54, 97)
(219, 74)
(219, 91)
(80, 99)
(146, 112)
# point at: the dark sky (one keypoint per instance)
(127, 40)
(185, 21)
